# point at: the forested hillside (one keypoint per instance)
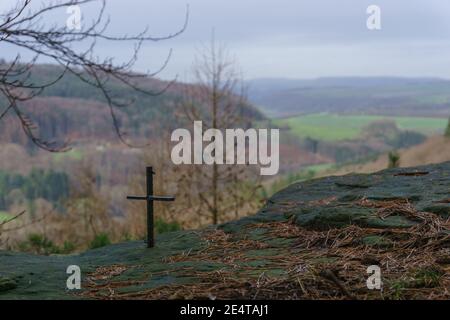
(72, 109)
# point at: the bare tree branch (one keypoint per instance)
(22, 27)
(12, 219)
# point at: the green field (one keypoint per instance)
(332, 127)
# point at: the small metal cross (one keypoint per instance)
(150, 198)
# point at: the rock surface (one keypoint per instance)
(312, 240)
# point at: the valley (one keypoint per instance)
(98, 169)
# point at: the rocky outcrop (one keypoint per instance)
(314, 239)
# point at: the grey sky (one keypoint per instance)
(291, 38)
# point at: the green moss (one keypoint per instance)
(7, 284)
(440, 209)
(255, 234)
(339, 216)
(429, 277)
(275, 272)
(262, 252)
(279, 242)
(377, 241)
(389, 222)
(323, 218)
(254, 264)
(323, 260)
(397, 289)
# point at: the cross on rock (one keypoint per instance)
(150, 198)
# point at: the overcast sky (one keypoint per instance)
(289, 38)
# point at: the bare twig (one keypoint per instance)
(22, 27)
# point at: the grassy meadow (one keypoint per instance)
(334, 127)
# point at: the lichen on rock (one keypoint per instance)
(314, 239)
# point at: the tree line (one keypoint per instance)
(49, 185)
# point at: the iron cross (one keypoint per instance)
(150, 198)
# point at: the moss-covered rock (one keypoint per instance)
(7, 284)
(322, 218)
(286, 240)
(377, 241)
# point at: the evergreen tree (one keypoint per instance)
(447, 130)
(394, 159)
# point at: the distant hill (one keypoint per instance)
(72, 109)
(356, 95)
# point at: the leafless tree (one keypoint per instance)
(218, 100)
(24, 28)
